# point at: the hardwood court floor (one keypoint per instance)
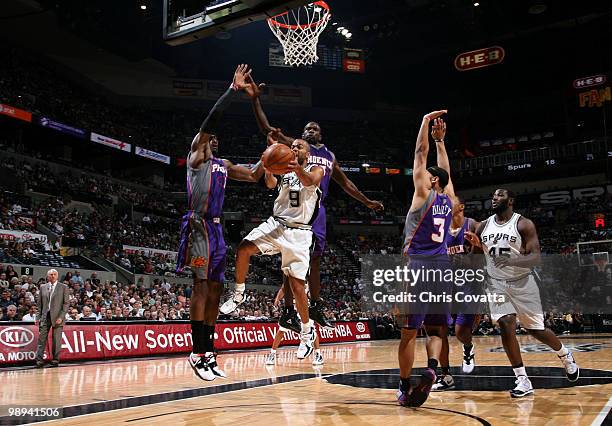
(356, 386)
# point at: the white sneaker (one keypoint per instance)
(523, 387)
(211, 360)
(306, 343)
(468, 360)
(318, 359)
(572, 371)
(201, 367)
(443, 383)
(271, 359)
(231, 304)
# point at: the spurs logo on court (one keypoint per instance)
(16, 337)
(586, 347)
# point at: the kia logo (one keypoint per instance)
(16, 337)
(360, 327)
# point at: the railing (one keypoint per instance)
(577, 149)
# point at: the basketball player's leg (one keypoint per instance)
(197, 309)
(317, 307)
(299, 295)
(278, 338)
(196, 248)
(405, 357)
(245, 250)
(318, 356)
(289, 318)
(319, 232)
(463, 330)
(294, 245)
(526, 297)
(212, 288)
(444, 381)
(259, 240)
(507, 325)
(535, 327)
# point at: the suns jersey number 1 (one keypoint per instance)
(503, 240)
(297, 204)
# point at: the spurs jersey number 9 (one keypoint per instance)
(296, 204)
(503, 240)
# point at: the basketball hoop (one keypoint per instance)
(601, 264)
(601, 260)
(298, 31)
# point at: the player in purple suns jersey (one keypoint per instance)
(202, 247)
(457, 247)
(322, 156)
(427, 224)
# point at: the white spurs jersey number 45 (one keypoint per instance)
(501, 240)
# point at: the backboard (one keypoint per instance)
(185, 21)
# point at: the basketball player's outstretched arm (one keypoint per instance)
(351, 189)
(242, 173)
(200, 147)
(438, 132)
(270, 180)
(473, 236)
(419, 168)
(531, 252)
(254, 90)
(308, 178)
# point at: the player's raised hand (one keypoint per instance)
(473, 239)
(438, 130)
(434, 114)
(292, 165)
(241, 75)
(375, 205)
(252, 89)
(273, 136)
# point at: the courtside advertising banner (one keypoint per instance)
(110, 142)
(85, 341)
(152, 155)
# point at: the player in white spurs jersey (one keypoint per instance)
(289, 232)
(511, 247)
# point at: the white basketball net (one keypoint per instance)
(298, 32)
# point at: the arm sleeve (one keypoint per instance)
(211, 122)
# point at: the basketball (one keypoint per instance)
(277, 157)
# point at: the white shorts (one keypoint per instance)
(272, 237)
(522, 297)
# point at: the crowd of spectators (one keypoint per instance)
(93, 300)
(45, 88)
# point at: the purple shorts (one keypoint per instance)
(319, 232)
(430, 313)
(466, 320)
(418, 320)
(202, 248)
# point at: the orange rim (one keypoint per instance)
(274, 22)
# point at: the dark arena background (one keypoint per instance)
(100, 102)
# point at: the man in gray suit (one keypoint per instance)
(52, 302)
